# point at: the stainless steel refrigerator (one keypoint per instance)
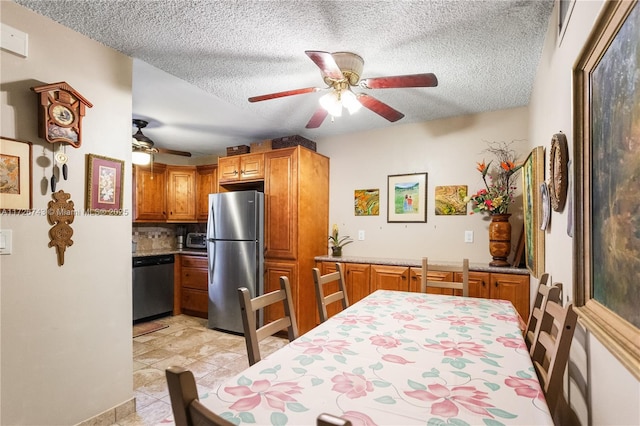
(235, 252)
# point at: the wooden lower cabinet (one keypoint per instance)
(273, 270)
(385, 277)
(514, 288)
(415, 281)
(194, 286)
(356, 281)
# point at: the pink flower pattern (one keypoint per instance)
(510, 342)
(352, 385)
(400, 316)
(275, 396)
(457, 321)
(317, 346)
(457, 349)
(356, 319)
(449, 400)
(386, 342)
(358, 418)
(527, 388)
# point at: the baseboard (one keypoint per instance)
(112, 415)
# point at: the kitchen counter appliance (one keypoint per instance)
(235, 253)
(152, 286)
(197, 240)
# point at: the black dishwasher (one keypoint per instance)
(152, 286)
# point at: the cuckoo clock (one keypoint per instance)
(60, 112)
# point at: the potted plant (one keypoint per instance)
(338, 242)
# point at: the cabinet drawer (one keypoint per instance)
(194, 262)
(195, 302)
(194, 278)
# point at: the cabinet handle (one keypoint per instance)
(497, 283)
(483, 283)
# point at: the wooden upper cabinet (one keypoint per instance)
(206, 183)
(237, 168)
(181, 194)
(385, 277)
(149, 192)
(281, 205)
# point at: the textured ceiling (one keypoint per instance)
(484, 53)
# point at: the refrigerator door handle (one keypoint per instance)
(211, 253)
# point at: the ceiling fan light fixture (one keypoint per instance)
(331, 102)
(350, 64)
(350, 102)
(140, 158)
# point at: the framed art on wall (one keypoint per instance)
(532, 179)
(104, 185)
(366, 202)
(607, 194)
(450, 200)
(407, 198)
(15, 174)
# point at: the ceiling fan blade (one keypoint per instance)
(283, 94)
(326, 63)
(412, 80)
(379, 107)
(317, 118)
(173, 152)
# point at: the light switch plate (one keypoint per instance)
(5, 241)
(361, 235)
(468, 236)
(14, 40)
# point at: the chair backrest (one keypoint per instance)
(187, 409)
(551, 351)
(544, 293)
(578, 403)
(325, 419)
(339, 295)
(464, 268)
(249, 307)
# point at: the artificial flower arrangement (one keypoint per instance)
(336, 240)
(497, 194)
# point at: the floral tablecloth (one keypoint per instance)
(396, 358)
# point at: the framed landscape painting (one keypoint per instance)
(366, 202)
(407, 198)
(606, 182)
(15, 174)
(532, 178)
(450, 200)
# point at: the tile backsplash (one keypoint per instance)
(155, 237)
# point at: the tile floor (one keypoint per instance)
(211, 355)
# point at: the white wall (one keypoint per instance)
(615, 392)
(447, 150)
(66, 330)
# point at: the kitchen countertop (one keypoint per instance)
(158, 252)
(416, 263)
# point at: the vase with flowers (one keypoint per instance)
(495, 198)
(337, 242)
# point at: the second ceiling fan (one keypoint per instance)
(341, 71)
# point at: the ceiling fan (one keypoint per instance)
(341, 71)
(143, 147)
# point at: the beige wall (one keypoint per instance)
(615, 392)
(448, 151)
(66, 331)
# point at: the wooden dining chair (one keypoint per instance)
(426, 282)
(186, 407)
(340, 295)
(326, 419)
(551, 350)
(545, 292)
(249, 307)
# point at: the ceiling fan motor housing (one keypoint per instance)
(351, 66)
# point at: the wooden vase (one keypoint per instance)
(500, 239)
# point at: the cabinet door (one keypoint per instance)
(281, 205)
(385, 277)
(150, 193)
(357, 280)
(206, 183)
(272, 273)
(514, 288)
(229, 169)
(194, 294)
(181, 194)
(334, 308)
(252, 166)
(478, 283)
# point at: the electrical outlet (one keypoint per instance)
(468, 236)
(361, 235)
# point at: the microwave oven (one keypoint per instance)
(197, 240)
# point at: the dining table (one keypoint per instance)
(395, 358)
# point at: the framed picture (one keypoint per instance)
(450, 200)
(104, 185)
(532, 179)
(407, 198)
(607, 194)
(366, 202)
(565, 7)
(546, 206)
(15, 174)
